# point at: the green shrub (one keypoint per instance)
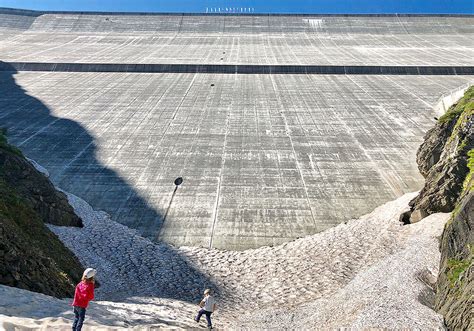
(466, 102)
(5, 145)
(456, 268)
(468, 184)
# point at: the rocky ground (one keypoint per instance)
(395, 292)
(373, 270)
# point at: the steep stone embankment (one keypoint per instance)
(455, 286)
(446, 159)
(442, 160)
(31, 256)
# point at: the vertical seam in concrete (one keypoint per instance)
(424, 40)
(92, 143)
(54, 121)
(382, 174)
(294, 152)
(74, 159)
(216, 205)
(154, 88)
(406, 90)
(166, 130)
(401, 23)
(49, 49)
(64, 115)
(169, 87)
(180, 25)
(178, 106)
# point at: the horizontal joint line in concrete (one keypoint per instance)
(236, 68)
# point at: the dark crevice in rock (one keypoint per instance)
(405, 217)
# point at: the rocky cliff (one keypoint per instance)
(446, 159)
(455, 286)
(31, 256)
(442, 160)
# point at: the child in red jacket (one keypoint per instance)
(84, 293)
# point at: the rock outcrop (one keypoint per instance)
(455, 286)
(37, 191)
(31, 256)
(446, 159)
(442, 159)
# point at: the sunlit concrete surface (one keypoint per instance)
(237, 39)
(264, 158)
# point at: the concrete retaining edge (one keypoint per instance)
(450, 98)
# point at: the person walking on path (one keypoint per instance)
(83, 294)
(208, 306)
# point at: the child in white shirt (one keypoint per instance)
(208, 306)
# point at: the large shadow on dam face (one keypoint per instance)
(68, 152)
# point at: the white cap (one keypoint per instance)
(89, 273)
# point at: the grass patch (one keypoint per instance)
(466, 102)
(463, 112)
(13, 207)
(25, 232)
(468, 184)
(456, 269)
(6, 146)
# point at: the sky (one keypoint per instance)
(254, 6)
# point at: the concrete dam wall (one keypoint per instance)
(238, 39)
(265, 157)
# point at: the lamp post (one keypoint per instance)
(177, 182)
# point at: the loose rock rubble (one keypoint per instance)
(281, 285)
(393, 293)
(128, 264)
